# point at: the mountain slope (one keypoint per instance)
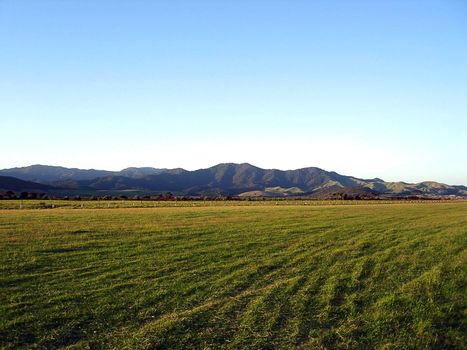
(232, 178)
(229, 179)
(9, 183)
(48, 174)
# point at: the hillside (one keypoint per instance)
(48, 174)
(243, 178)
(230, 179)
(8, 183)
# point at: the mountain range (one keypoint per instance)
(222, 179)
(48, 174)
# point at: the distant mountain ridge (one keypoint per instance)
(223, 179)
(48, 174)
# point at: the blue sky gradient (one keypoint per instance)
(364, 88)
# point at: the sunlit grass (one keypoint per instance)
(235, 276)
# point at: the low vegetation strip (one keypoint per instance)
(235, 277)
(112, 204)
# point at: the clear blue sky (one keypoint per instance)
(365, 88)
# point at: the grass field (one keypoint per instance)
(386, 276)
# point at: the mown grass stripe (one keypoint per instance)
(233, 277)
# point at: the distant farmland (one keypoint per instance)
(285, 275)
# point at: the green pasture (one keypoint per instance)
(233, 275)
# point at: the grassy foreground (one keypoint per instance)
(235, 277)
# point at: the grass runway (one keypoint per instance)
(263, 276)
